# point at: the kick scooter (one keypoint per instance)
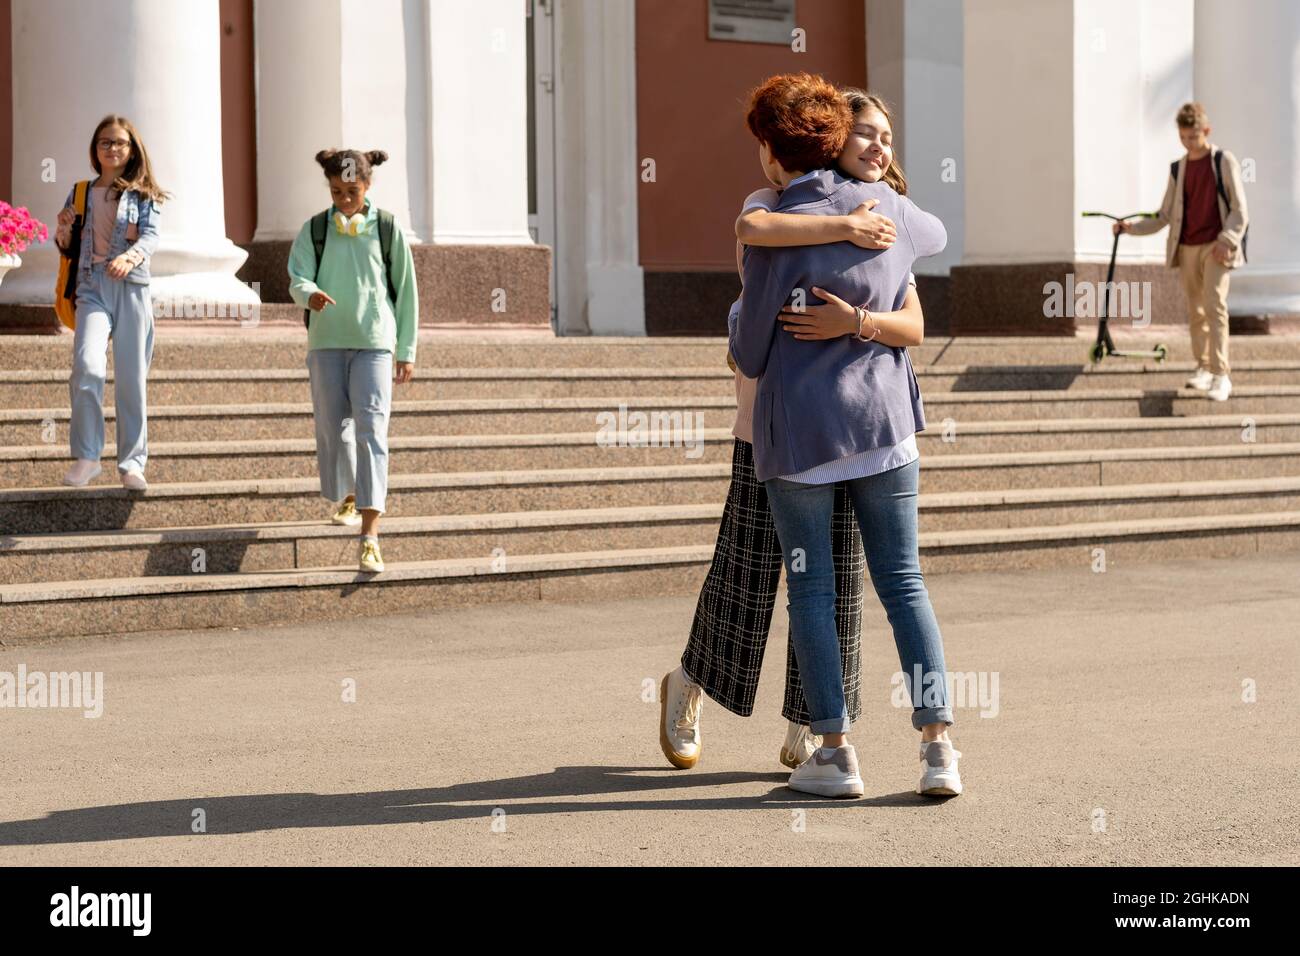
(1104, 345)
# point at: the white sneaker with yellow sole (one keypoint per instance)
(371, 560)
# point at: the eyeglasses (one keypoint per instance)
(109, 144)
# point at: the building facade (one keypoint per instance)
(581, 162)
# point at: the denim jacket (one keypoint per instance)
(131, 210)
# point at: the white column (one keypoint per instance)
(340, 74)
(1018, 131)
(1068, 107)
(158, 63)
(1132, 70)
(1248, 80)
(914, 60)
(478, 104)
(601, 288)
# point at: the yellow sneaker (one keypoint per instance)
(347, 513)
(371, 559)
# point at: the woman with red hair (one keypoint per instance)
(843, 409)
(725, 649)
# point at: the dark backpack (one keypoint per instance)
(320, 229)
(1223, 192)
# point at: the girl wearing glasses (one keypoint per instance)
(118, 236)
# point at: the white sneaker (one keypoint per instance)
(800, 742)
(939, 776)
(372, 562)
(1201, 381)
(133, 480)
(680, 703)
(829, 772)
(1220, 389)
(82, 472)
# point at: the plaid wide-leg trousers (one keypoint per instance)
(724, 653)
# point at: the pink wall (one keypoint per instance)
(238, 119)
(6, 102)
(691, 95)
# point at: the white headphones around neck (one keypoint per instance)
(349, 225)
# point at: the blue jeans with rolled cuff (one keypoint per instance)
(885, 505)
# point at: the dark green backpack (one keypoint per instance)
(320, 229)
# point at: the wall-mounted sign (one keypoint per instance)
(752, 21)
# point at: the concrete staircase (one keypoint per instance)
(500, 491)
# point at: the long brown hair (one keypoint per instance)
(860, 100)
(138, 173)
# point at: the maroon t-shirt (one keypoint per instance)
(1201, 222)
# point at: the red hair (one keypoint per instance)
(802, 118)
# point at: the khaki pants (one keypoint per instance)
(1206, 284)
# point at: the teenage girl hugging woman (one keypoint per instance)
(843, 409)
(351, 269)
(725, 648)
(118, 235)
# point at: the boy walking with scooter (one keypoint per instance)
(1205, 210)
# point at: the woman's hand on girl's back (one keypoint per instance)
(404, 372)
(870, 230)
(817, 322)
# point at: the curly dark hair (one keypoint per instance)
(350, 164)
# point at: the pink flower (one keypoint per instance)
(19, 228)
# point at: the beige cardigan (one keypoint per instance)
(1233, 216)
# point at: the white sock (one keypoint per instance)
(372, 538)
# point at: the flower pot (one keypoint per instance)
(8, 262)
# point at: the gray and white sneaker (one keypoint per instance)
(680, 702)
(939, 776)
(800, 742)
(829, 772)
(1201, 381)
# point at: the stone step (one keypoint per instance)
(49, 387)
(178, 346)
(1044, 479)
(308, 544)
(526, 416)
(316, 544)
(44, 610)
(44, 465)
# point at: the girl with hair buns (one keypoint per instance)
(351, 269)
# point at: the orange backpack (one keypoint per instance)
(65, 286)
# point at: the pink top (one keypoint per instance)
(104, 220)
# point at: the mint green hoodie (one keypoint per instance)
(352, 274)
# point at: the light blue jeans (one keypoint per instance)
(885, 505)
(120, 311)
(351, 396)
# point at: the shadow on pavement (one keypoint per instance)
(277, 811)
